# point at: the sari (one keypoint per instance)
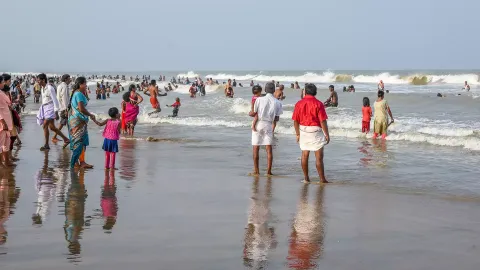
(77, 127)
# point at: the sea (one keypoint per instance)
(182, 197)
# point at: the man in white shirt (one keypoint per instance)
(268, 109)
(48, 112)
(63, 96)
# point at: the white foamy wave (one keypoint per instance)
(185, 89)
(455, 79)
(385, 77)
(192, 121)
(189, 74)
(241, 106)
(468, 142)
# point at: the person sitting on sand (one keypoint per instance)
(380, 122)
(176, 107)
(332, 101)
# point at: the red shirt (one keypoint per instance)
(367, 114)
(309, 112)
(176, 104)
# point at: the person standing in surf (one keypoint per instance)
(227, 86)
(381, 86)
(152, 91)
(268, 110)
(380, 122)
(131, 108)
(332, 101)
(310, 123)
(466, 86)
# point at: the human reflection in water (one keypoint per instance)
(380, 155)
(260, 236)
(127, 159)
(108, 201)
(61, 174)
(45, 187)
(366, 150)
(75, 213)
(308, 230)
(9, 195)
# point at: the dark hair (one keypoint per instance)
(6, 76)
(366, 102)
(270, 88)
(79, 81)
(331, 86)
(381, 94)
(310, 89)
(113, 112)
(256, 89)
(42, 77)
(281, 86)
(153, 82)
(1, 79)
(126, 96)
(65, 77)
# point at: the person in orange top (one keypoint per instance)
(367, 115)
(310, 122)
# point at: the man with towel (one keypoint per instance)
(268, 109)
(310, 122)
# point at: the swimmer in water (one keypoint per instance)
(279, 92)
(466, 87)
(332, 101)
(229, 92)
(176, 107)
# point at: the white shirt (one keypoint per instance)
(49, 95)
(267, 108)
(63, 96)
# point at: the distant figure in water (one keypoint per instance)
(332, 101)
(252, 84)
(381, 86)
(176, 107)
(297, 86)
(466, 87)
(279, 92)
(292, 86)
(229, 93)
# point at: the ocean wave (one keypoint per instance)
(192, 121)
(331, 77)
(189, 75)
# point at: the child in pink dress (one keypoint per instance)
(111, 135)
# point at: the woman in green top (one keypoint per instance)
(78, 121)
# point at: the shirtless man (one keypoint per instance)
(279, 93)
(228, 85)
(381, 86)
(153, 93)
(332, 101)
(466, 87)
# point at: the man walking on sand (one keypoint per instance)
(268, 110)
(310, 123)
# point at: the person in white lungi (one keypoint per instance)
(310, 122)
(268, 109)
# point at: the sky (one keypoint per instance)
(152, 35)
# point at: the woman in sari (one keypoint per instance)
(131, 108)
(77, 123)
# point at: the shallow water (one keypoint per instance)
(187, 202)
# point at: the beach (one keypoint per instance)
(187, 201)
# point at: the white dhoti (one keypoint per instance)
(311, 138)
(264, 134)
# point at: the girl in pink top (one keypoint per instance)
(111, 135)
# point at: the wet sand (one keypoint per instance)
(177, 204)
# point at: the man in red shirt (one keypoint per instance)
(310, 122)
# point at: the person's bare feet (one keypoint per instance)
(254, 174)
(85, 165)
(55, 140)
(269, 174)
(324, 181)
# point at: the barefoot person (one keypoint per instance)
(48, 112)
(268, 110)
(78, 123)
(152, 91)
(63, 96)
(6, 124)
(310, 122)
(380, 118)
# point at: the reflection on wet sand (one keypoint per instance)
(9, 195)
(75, 215)
(45, 187)
(61, 174)
(128, 159)
(108, 201)
(308, 231)
(259, 234)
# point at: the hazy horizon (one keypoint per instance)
(215, 35)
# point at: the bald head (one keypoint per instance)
(270, 88)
